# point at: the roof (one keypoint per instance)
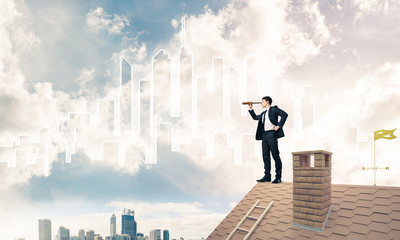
(358, 212)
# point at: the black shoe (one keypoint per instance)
(264, 179)
(277, 180)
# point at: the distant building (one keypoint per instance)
(98, 238)
(113, 225)
(128, 223)
(165, 235)
(74, 238)
(121, 237)
(44, 229)
(140, 234)
(90, 235)
(81, 234)
(155, 234)
(63, 233)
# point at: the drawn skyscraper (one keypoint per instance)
(125, 99)
(161, 85)
(186, 80)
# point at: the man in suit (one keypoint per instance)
(269, 129)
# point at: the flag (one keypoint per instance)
(386, 134)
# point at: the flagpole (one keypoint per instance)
(374, 165)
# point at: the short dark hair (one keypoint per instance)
(268, 99)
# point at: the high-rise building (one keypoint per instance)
(113, 225)
(63, 233)
(74, 238)
(128, 223)
(121, 237)
(155, 234)
(165, 235)
(44, 229)
(81, 234)
(90, 235)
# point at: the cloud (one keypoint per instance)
(364, 8)
(97, 20)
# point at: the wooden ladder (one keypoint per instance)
(258, 220)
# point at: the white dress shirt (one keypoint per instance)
(267, 123)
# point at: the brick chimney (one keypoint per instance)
(311, 189)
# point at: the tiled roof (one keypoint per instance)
(358, 212)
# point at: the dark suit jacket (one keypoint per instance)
(273, 114)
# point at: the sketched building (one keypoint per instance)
(313, 208)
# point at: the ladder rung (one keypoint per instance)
(261, 207)
(242, 229)
(254, 218)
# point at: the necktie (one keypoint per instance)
(265, 112)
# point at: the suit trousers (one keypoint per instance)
(270, 146)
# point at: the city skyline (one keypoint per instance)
(64, 233)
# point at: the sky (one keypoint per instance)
(333, 66)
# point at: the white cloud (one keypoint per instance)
(97, 20)
(364, 8)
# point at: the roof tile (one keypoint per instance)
(337, 236)
(382, 201)
(348, 205)
(383, 193)
(365, 220)
(394, 224)
(380, 217)
(363, 211)
(395, 215)
(396, 206)
(345, 213)
(367, 190)
(379, 227)
(365, 203)
(394, 234)
(345, 221)
(377, 235)
(277, 234)
(307, 233)
(366, 196)
(359, 228)
(291, 233)
(350, 199)
(396, 199)
(352, 191)
(356, 236)
(342, 230)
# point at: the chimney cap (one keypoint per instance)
(312, 152)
